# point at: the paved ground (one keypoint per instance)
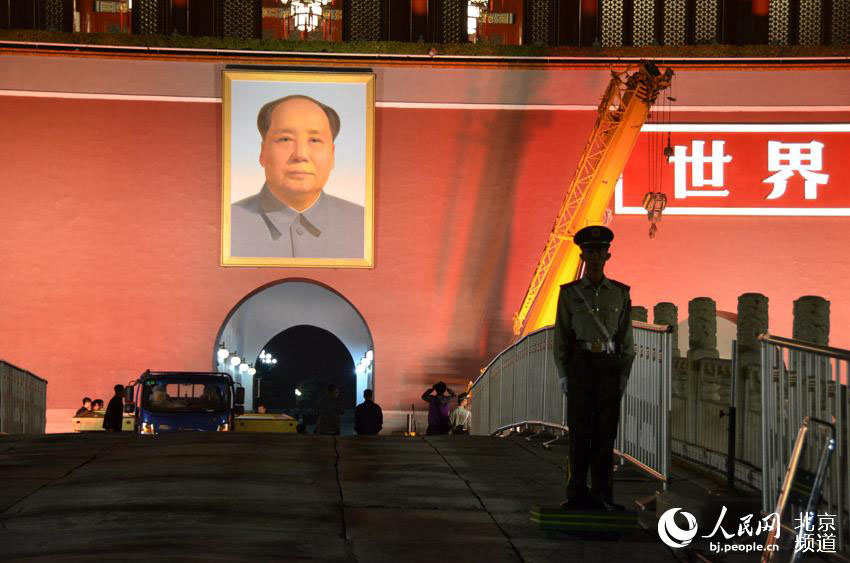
(225, 497)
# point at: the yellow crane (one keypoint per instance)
(621, 114)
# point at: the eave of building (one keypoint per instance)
(354, 60)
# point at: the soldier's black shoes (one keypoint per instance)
(611, 507)
(578, 504)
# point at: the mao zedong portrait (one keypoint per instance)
(292, 216)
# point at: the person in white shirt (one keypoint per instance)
(460, 417)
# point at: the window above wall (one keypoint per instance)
(452, 25)
(495, 21)
(302, 19)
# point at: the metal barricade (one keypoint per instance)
(521, 387)
(800, 379)
(644, 434)
(23, 401)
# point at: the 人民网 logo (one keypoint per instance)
(671, 534)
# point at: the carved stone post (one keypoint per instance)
(668, 314)
(702, 326)
(811, 324)
(752, 321)
(639, 313)
(811, 319)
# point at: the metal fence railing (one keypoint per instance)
(800, 379)
(521, 387)
(23, 401)
(644, 434)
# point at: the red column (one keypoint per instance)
(589, 22)
(760, 10)
(419, 14)
(86, 9)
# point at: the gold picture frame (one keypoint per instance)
(264, 225)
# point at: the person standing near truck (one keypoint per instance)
(115, 411)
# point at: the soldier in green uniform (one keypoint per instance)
(594, 350)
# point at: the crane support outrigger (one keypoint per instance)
(621, 114)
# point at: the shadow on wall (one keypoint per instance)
(479, 328)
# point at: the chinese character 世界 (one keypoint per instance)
(787, 158)
(698, 161)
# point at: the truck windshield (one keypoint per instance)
(185, 396)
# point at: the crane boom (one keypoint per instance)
(622, 112)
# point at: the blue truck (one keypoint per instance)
(173, 401)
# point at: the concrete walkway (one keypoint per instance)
(226, 497)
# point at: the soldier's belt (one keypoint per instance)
(598, 347)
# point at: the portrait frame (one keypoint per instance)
(352, 96)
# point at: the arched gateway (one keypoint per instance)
(268, 315)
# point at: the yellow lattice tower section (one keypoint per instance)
(621, 114)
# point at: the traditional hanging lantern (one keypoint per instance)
(306, 15)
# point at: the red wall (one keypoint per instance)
(111, 218)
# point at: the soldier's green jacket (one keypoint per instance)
(612, 304)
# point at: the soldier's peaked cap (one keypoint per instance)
(594, 235)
